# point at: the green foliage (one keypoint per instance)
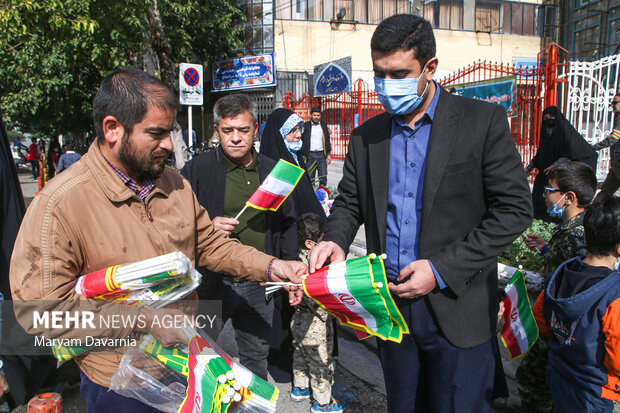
(201, 30)
(518, 253)
(13, 134)
(54, 53)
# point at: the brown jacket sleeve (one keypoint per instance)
(219, 253)
(45, 263)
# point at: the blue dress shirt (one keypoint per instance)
(407, 167)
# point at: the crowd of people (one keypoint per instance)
(56, 159)
(436, 181)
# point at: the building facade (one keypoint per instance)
(306, 33)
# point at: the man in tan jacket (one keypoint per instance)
(120, 204)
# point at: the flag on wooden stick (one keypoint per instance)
(356, 292)
(276, 187)
(520, 330)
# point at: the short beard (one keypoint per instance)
(149, 166)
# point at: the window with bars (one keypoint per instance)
(487, 15)
(520, 18)
(361, 11)
(258, 27)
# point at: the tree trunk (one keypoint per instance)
(161, 46)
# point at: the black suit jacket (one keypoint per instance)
(305, 139)
(476, 201)
(207, 176)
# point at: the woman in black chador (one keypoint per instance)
(559, 142)
(281, 140)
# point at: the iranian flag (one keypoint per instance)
(356, 292)
(519, 331)
(276, 187)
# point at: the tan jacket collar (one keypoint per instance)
(111, 184)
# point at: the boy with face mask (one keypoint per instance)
(570, 190)
(578, 312)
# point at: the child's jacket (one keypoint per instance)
(581, 309)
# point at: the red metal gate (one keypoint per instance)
(535, 88)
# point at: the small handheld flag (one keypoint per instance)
(520, 330)
(275, 188)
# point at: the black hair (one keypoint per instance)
(309, 226)
(127, 94)
(234, 105)
(33, 139)
(405, 32)
(577, 177)
(601, 225)
(69, 145)
(315, 109)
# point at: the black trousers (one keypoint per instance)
(426, 373)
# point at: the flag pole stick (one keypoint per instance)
(240, 212)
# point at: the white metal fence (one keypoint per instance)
(591, 89)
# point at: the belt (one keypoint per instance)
(236, 280)
(316, 151)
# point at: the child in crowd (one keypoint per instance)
(572, 186)
(313, 335)
(579, 312)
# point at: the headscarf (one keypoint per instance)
(563, 142)
(279, 123)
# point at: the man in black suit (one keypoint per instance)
(316, 147)
(223, 179)
(439, 186)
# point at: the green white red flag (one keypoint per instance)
(276, 187)
(356, 292)
(520, 330)
(216, 384)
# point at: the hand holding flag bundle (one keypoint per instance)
(356, 293)
(154, 283)
(520, 331)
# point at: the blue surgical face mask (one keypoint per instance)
(553, 210)
(293, 146)
(399, 96)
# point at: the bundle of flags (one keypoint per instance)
(356, 293)
(154, 282)
(215, 383)
(520, 331)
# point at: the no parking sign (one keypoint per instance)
(190, 84)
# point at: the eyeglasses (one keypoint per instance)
(549, 189)
(297, 128)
